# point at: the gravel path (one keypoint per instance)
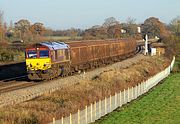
(29, 93)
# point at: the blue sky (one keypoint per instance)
(63, 14)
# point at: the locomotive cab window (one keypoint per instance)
(32, 54)
(67, 54)
(43, 53)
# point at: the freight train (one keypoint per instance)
(47, 60)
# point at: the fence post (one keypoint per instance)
(105, 106)
(132, 93)
(62, 120)
(136, 91)
(70, 119)
(95, 110)
(128, 95)
(86, 115)
(115, 99)
(120, 99)
(124, 100)
(139, 89)
(110, 103)
(79, 117)
(143, 85)
(54, 121)
(99, 108)
(91, 112)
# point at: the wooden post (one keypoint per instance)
(79, 117)
(132, 91)
(128, 95)
(142, 87)
(144, 90)
(95, 110)
(70, 119)
(137, 94)
(105, 106)
(124, 100)
(110, 103)
(91, 113)
(139, 91)
(120, 99)
(54, 121)
(99, 108)
(115, 100)
(62, 120)
(86, 115)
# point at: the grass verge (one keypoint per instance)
(68, 100)
(161, 106)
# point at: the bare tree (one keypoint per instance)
(111, 21)
(131, 20)
(130, 26)
(1, 25)
(11, 24)
(175, 26)
(1, 17)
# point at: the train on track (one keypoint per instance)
(47, 60)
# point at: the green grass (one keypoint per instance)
(160, 106)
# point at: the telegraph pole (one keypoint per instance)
(146, 45)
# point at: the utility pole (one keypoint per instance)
(146, 45)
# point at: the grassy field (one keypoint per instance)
(161, 106)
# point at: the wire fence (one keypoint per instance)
(98, 109)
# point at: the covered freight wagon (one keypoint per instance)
(91, 51)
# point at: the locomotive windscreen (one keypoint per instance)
(43, 54)
(32, 54)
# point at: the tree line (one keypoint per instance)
(110, 29)
(27, 32)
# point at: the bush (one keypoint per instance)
(32, 119)
(9, 55)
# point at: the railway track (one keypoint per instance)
(13, 79)
(15, 86)
(12, 84)
(15, 90)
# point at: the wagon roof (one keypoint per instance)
(54, 45)
(94, 42)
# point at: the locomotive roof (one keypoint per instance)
(55, 45)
